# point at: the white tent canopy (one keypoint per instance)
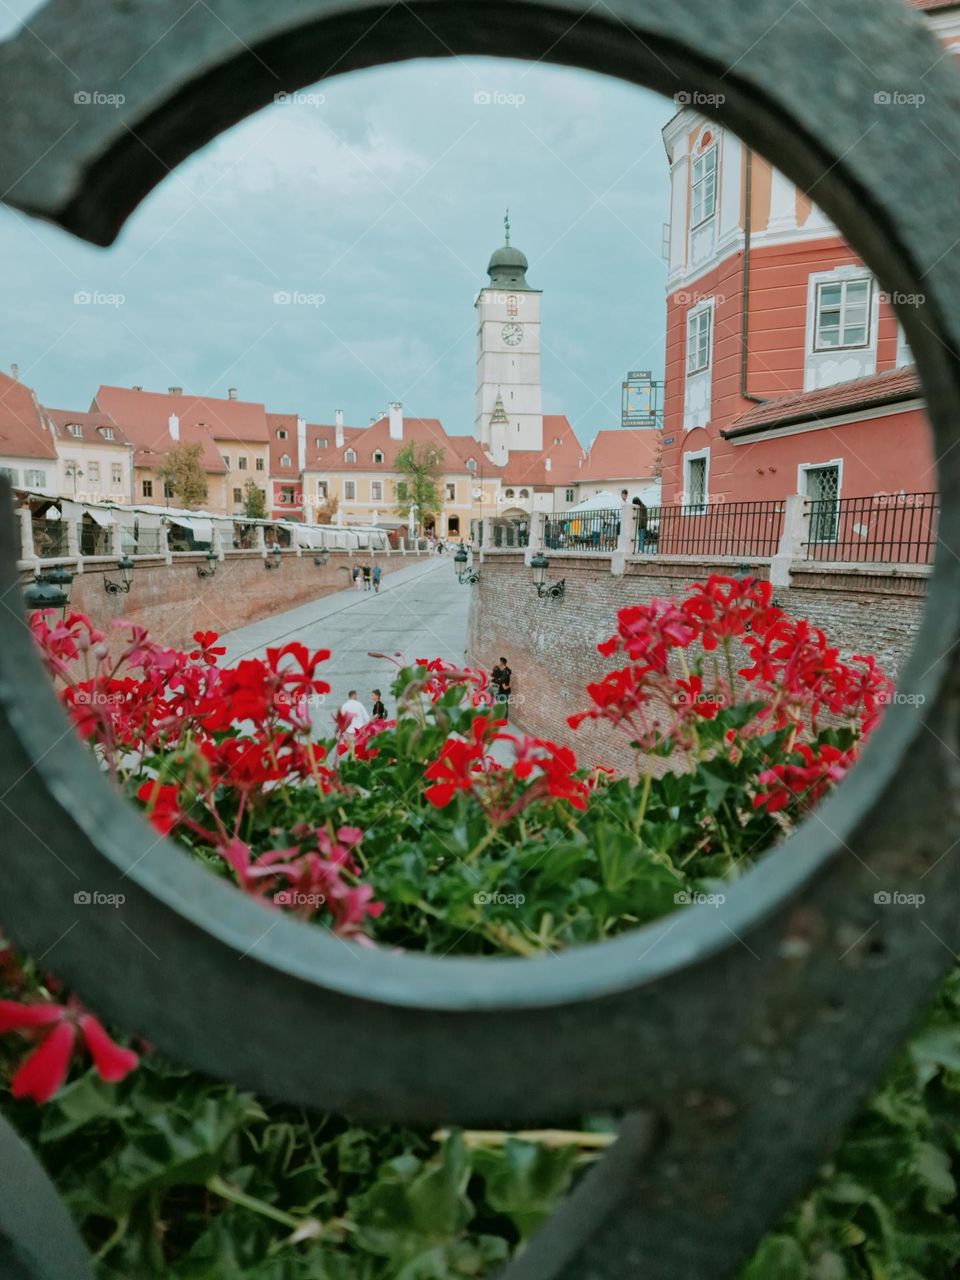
(603, 501)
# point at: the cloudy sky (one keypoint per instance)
(374, 201)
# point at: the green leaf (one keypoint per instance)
(525, 1180)
(778, 1258)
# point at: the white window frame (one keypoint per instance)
(242, 462)
(450, 489)
(323, 491)
(694, 317)
(93, 470)
(350, 455)
(699, 183)
(376, 490)
(116, 473)
(75, 430)
(31, 476)
(802, 470)
(377, 456)
(842, 285)
(349, 490)
(284, 459)
(696, 455)
(282, 433)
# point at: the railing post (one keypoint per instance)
(163, 542)
(25, 516)
(796, 532)
(626, 533)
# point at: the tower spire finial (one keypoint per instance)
(506, 227)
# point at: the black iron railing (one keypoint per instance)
(507, 533)
(887, 528)
(583, 531)
(750, 529)
(49, 538)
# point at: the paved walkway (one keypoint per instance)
(420, 612)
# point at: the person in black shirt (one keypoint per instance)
(500, 677)
(379, 711)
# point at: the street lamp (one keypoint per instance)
(552, 591)
(321, 558)
(125, 565)
(465, 576)
(50, 590)
(273, 563)
(211, 568)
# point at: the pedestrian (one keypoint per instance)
(366, 577)
(356, 577)
(377, 572)
(642, 518)
(379, 711)
(501, 678)
(355, 712)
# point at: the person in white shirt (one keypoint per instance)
(356, 711)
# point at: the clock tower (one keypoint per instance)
(508, 410)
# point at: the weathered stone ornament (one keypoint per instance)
(750, 1033)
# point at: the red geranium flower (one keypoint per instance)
(44, 1070)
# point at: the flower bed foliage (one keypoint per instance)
(443, 831)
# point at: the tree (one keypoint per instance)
(327, 510)
(254, 501)
(420, 467)
(182, 474)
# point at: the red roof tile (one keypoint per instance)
(843, 397)
(24, 432)
(144, 417)
(933, 4)
(624, 454)
(90, 424)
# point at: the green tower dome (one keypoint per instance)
(507, 265)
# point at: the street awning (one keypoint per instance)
(201, 529)
(307, 537)
(105, 519)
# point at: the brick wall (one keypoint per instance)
(551, 644)
(172, 602)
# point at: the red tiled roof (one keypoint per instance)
(144, 417)
(280, 448)
(560, 446)
(90, 425)
(933, 4)
(624, 454)
(365, 441)
(24, 433)
(843, 397)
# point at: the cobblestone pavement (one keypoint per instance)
(420, 612)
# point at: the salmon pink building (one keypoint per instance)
(786, 369)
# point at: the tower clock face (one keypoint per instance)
(512, 335)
